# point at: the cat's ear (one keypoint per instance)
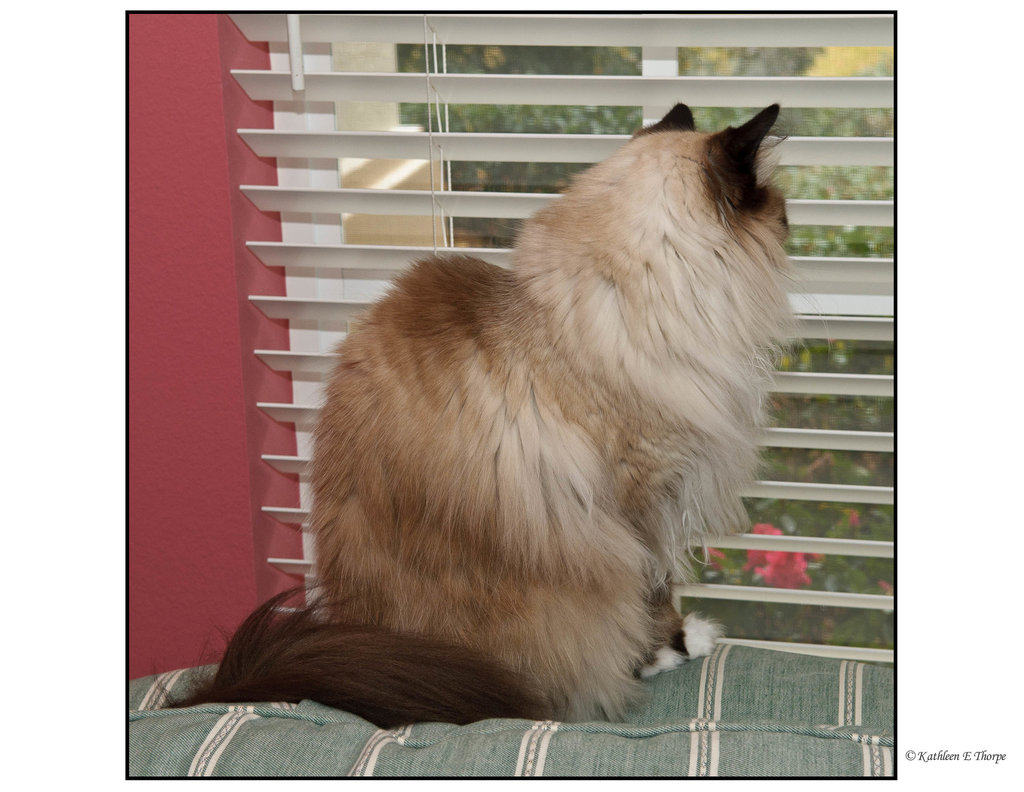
(741, 145)
(740, 161)
(678, 119)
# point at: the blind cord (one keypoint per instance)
(430, 132)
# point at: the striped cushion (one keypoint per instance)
(739, 712)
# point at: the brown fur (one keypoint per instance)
(312, 656)
(514, 463)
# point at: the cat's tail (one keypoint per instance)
(385, 677)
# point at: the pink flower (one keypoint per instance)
(886, 586)
(778, 568)
(715, 557)
(784, 570)
(757, 558)
(854, 518)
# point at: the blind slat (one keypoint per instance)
(545, 89)
(825, 493)
(831, 599)
(308, 308)
(881, 442)
(857, 272)
(801, 383)
(290, 413)
(584, 30)
(811, 383)
(863, 548)
(286, 464)
(458, 146)
(373, 257)
(834, 440)
(512, 205)
(292, 566)
(786, 490)
(869, 328)
(833, 275)
(852, 328)
(289, 515)
(286, 361)
(805, 544)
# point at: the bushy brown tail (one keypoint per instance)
(385, 677)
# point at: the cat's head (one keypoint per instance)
(735, 164)
(676, 221)
(698, 192)
(672, 246)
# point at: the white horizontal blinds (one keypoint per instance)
(605, 30)
(582, 89)
(517, 205)
(786, 490)
(881, 442)
(834, 274)
(365, 190)
(533, 148)
(298, 114)
(808, 383)
(864, 328)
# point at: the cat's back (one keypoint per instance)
(453, 295)
(445, 320)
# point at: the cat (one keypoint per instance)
(513, 465)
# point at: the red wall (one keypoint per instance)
(197, 541)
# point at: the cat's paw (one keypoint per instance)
(697, 639)
(665, 659)
(700, 635)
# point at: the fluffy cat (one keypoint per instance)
(512, 465)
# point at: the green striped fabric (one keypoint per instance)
(739, 712)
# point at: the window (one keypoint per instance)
(405, 133)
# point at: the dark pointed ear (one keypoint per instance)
(737, 171)
(678, 119)
(741, 144)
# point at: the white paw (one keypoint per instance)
(700, 638)
(665, 659)
(701, 635)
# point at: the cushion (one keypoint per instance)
(740, 712)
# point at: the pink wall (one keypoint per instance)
(197, 541)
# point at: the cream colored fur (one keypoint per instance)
(520, 461)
